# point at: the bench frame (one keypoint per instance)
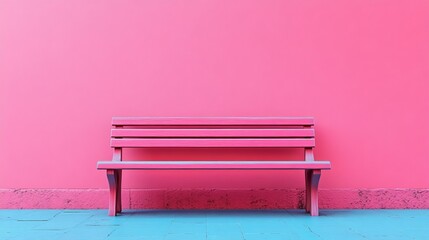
(137, 132)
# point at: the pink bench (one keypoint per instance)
(225, 132)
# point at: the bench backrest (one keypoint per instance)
(132, 132)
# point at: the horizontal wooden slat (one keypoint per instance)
(213, 132)
(195, 121)
(212, 142)
(214, 165)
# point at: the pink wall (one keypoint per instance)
(361, 68)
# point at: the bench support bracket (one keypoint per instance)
(112, 177)
(312, 178)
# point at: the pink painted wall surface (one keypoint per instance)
(361, 68)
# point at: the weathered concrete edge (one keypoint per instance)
(214, 198)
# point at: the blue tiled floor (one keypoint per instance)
(224, 225)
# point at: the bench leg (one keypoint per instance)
(113, 187)
(307, 190)
(118, 191)
(315, 177)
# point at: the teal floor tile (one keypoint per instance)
(232, 229)
(266, 236)
(183, 236)
(39, 234)
(187, 228)
(213, 225)
(225, 237)
(264, 226)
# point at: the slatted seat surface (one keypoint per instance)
(213, 165)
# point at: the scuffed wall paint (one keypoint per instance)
(215, 199)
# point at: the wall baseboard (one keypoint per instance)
(214, 198)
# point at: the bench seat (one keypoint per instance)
(213, 165)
